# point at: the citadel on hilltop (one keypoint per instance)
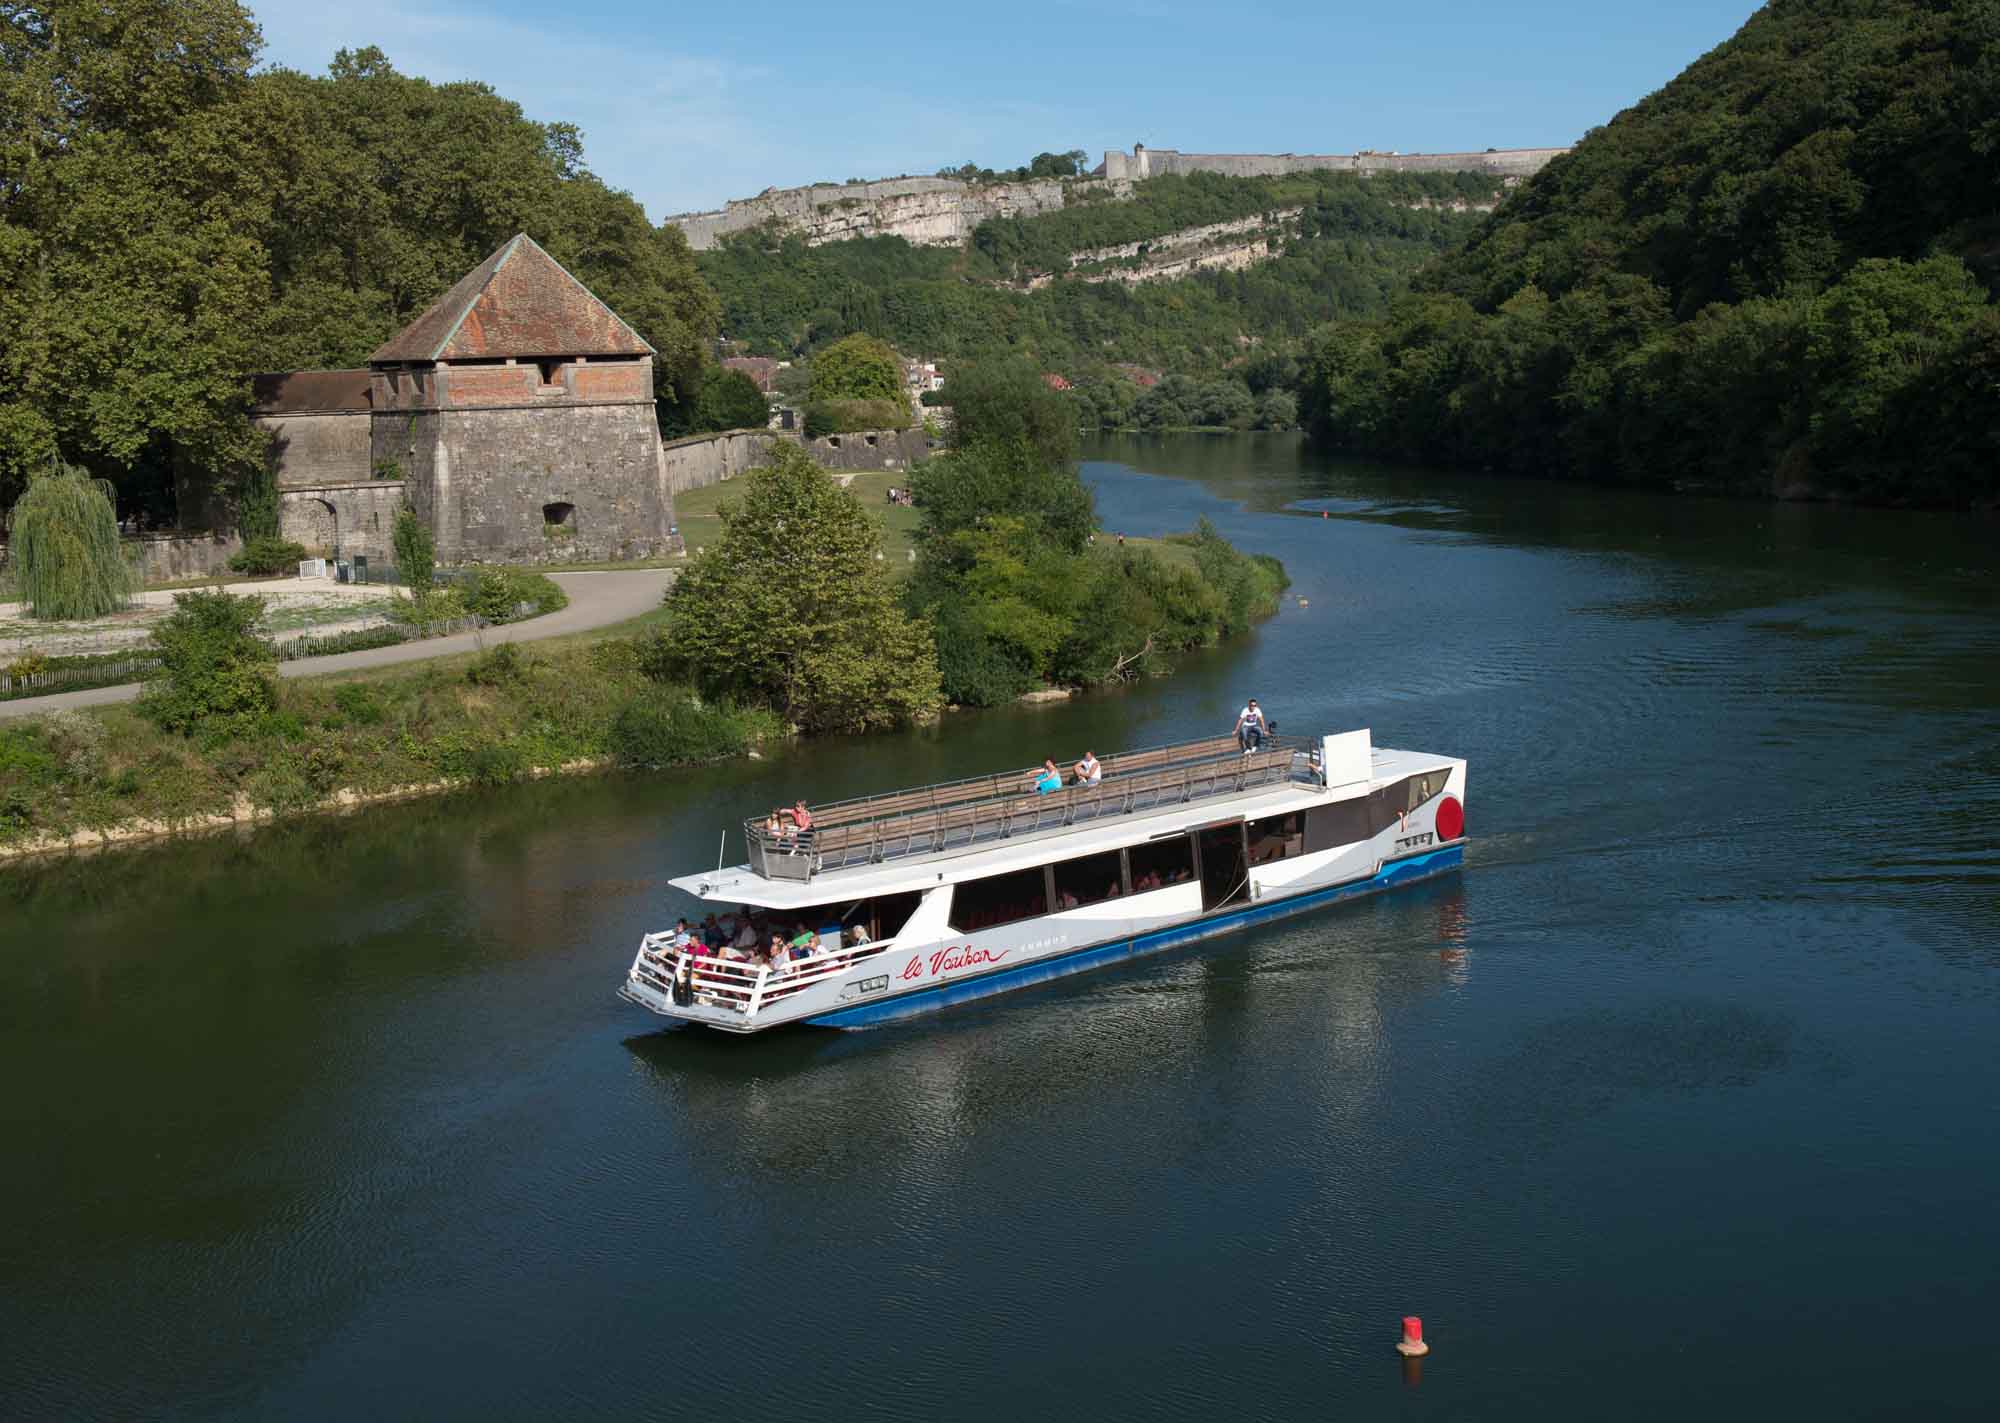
(942, 212)
(1143, 162)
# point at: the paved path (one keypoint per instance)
(595, 600)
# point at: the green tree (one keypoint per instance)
(66, 550)
(1005, 401)
(213, 666)
(857, 368)
(966, 489)
(134, 185)
(416, 552)
(725, 399)
(791, 607)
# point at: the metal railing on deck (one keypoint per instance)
(738, 985)
(955, 816)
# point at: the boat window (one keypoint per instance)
(891, 912)
(1342, 823)
(1158, 863)
(1277, 837)
(999, 899)
(1090, 880)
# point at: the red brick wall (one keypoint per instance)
(624, 380)
(490, 385)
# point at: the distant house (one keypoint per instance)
(761, 369)
(1139, 375)
(1054, 381)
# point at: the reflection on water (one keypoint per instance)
(1695, 1055)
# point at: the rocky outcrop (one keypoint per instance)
(929, 212)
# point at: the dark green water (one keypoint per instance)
(1680, 1102)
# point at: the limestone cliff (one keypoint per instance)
(928, 212)
(941, 212)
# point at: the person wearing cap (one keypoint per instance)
(1250, 726)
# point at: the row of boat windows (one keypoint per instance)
(1138, 869)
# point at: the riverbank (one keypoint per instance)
(503, 714)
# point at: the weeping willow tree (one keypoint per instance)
(66, 555)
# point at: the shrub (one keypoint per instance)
(844, 417)
(497, 667)
(66, 555)
(670, 726)
(416, 552)
(212, 663)
(494, 594)
(264, 557)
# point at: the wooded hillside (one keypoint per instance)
(1777, 274)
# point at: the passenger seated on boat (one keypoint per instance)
(746, 933)
(1049, 779)
(855, 937)
(1250, 726)
(1066, 900)
(1087, 772)
(802, 822)
(1146, 881)
(805, 943)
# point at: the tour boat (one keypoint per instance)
(978, 886)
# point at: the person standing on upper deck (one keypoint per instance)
(1250, 726)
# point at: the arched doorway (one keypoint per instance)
(312, 522)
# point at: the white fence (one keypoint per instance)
(710, 981)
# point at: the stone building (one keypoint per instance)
(515, 415)
(519, 412)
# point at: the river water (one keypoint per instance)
(1680, 1099)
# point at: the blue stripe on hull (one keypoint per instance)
(929, 1000)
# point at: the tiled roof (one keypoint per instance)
(309, 392)
(518, 302)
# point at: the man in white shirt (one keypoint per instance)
(1250, 726)
(1087, 772)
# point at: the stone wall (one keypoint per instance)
(343, 518)
(1143, 162)
(488, 480)
(702, 460)
(317, 447)
(169, 558)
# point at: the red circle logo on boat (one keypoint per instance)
(1450, 818)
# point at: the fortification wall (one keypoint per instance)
(929, 212)
(314, 447)
(702, 460)
(1144, 162)
(342, 518)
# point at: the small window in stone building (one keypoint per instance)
(551, 372)
(559, 514)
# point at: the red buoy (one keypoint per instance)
(1412, 1343)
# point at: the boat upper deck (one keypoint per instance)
(893, 842)
(982, 812)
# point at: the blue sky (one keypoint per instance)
(687, 105)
